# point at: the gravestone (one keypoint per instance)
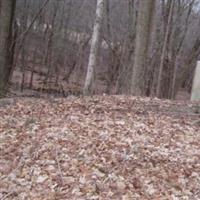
(196, 84)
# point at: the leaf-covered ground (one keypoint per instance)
(99, 148)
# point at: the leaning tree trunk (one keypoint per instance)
(6, 54)
(144, 23)
(89, 81)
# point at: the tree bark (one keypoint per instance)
(180, 44)
(143, 28)
(195, 96)
(164, 49)
(23, 51)
(89, 81)
(122, 85)
(6, 53)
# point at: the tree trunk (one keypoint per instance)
(196, 84)
(180, 44)
(89, 81)
(143, 28)
(23, 51)
(123, 85)
(6, 53)
(49, 49)
(164, 49)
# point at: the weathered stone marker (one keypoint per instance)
(196, 84)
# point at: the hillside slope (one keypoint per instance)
(102, 147)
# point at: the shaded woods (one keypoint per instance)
(147, 48)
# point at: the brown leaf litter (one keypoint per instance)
(99, 148)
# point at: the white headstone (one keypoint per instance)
(196, 84)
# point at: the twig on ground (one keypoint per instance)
(7, 195)
(59, 168)
(197, 122)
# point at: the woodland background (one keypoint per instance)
(52, 45)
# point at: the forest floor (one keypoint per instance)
(99, 148)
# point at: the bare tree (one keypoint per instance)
(6, 53)
(179, 46)
(146, 9)
(123, 85)
(89, 81)
(164, 48)
(53, 41)
(23, 61)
